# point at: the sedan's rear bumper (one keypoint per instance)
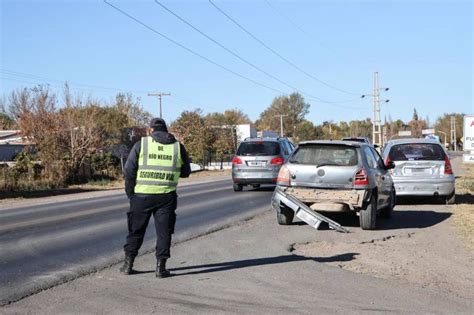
(424, 187)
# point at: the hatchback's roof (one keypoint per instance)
(413, 140)
(335, 142)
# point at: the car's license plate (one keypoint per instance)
(418, 171)
(256, 163)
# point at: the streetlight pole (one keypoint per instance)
(445, 137)
(281, 123)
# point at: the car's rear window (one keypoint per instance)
(416, 151)
(317, 154)
(259, 148)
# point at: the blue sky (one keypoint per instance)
(421, 49)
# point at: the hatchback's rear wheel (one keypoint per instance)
(238, 187)
(368, 216)
(285, 216)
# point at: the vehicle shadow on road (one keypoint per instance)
(246, 263)
(401, 219)
(465, 199)
(412, 219)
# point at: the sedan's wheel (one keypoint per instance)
(451, 199)
(388, 210)
(237, 187)
(368, 216)
(285, 216)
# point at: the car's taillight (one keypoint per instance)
(361, 178)
(387, 161)
(236, 160)
(277, 161)
(448, 170)
(283, 178)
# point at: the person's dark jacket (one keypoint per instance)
(131, 167)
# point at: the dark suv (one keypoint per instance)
(258, 161)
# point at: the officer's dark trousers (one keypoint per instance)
(162, 207)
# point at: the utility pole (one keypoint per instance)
(376, 122)
(453, 132)
(281, 123)
(159, 95)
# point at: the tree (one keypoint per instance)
(293, 106)
(222, 126)
(131, 108)
(191, 129)
(7, 122)
(305, 130)
(39, 122)
(417, 125)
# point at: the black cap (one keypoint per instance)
(158, 124)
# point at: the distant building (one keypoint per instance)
(247, 131)
(11, 143)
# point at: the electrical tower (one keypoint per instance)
(453, 132)
(377, 122)
(159, 95)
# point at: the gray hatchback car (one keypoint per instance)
(422, 168)
(336, 176)
(258, 161)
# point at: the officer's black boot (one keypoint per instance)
(127, 266)
(161, 271)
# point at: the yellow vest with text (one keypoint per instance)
(159, 167)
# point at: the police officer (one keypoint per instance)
(153, 168)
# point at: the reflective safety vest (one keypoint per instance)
(159, 167)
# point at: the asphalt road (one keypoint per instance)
(44, 245)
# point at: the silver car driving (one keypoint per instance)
(422, 168)
(336, 176)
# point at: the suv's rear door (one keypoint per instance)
(257, 156)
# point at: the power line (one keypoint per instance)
(82, 86)
(225, 48)
(243, 59)
(296, 25)
(190, 50)
(278, 54)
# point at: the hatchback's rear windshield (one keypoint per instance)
(318, 154)
(416, 151)
(259, 148)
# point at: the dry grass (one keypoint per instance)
(464, 210)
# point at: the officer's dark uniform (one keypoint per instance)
(151, 189)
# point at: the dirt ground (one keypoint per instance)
(436, 251)
(464, 210)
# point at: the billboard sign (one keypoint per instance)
(468, 133)
(404, 133)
